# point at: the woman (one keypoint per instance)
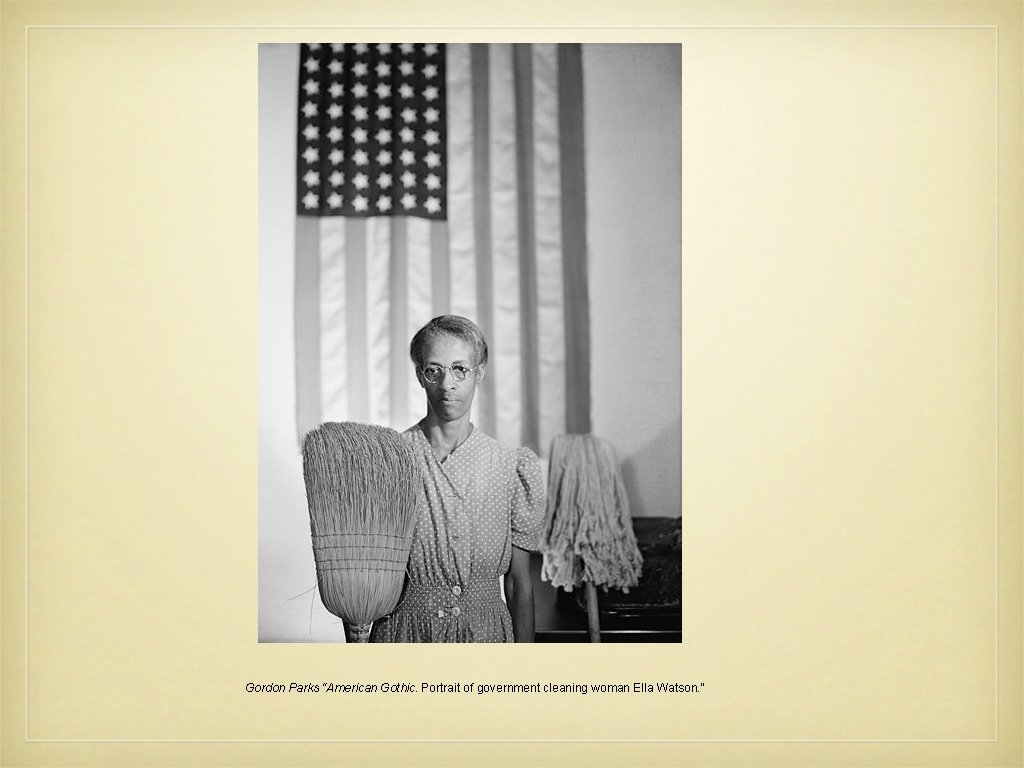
(481, 511)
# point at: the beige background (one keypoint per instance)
(851, 402)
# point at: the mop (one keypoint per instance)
(588, 532)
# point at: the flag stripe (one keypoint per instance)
(378, 268)
(505, 247)
(482, 221)
(530, 387)
(399, 299)
(420, 307)
(574, 233)
(355, 306)
(440, 278)
(333, 336)
(462, 253)
(548, 245)
(307, 324)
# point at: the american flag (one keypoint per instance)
(372, 130)
(442, 178)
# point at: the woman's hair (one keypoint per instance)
(449, 325)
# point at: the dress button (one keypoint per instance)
(440, 614)
(456, 611)
(456, 590)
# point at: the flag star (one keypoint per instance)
(359, 157)
(359, 135)
(409, 115)
(407, 157)
(312, 178)
(383, 112)
(383, 47)
(407, 48)
(334, 134)
(431, 115)
(309, 109)
(408, 179)
(336, 156)
(433, 159)
(360, 112)
(433, 181)
(337, 47)
(360, 68)
(359, 203)
(314, 46)
(361, 180)
(383, 136)
(430, 49)
(384, 157)
(383, 203)
(406, 68)
(384, 180)
(430, 71)
(405, 91)
(360, 48)
(311, 65)
(311, 155)
(433, 205)
(431, 138)
(408, 200)
(334, 66)
(359, 90)
(334, 111)
(383, 70)
(311, 200)
(336, 90)
(337, 179)
(430, 93)
(311, 87)
(334, 200)
(407, 134)
(383, 90)
(311, 132)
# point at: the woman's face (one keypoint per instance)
(448, 399)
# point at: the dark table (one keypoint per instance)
(562, 618)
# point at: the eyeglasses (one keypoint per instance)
(434, 373)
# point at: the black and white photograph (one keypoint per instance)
(470, 342)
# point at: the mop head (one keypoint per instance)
(588, 531)
(361, 488)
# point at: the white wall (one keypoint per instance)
(633, 145)
(633, 127)
(286, 559)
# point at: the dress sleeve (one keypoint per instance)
(527, 501)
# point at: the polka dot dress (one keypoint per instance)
(477, 503)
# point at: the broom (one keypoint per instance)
(361, 490)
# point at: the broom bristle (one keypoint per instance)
(361, 489)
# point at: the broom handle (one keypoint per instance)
(593, 616)
(358, 633)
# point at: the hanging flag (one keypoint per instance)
(442, 179)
